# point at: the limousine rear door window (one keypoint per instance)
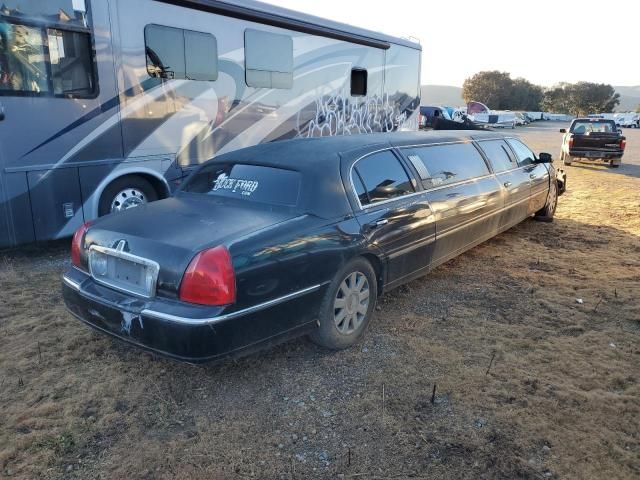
(273, 186)
(454, 163)
(498, 154)
(383, 177)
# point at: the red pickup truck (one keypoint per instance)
(594, 140)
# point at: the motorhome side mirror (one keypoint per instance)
(563, 130)
(545, 158)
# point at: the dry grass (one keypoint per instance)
(529, 383)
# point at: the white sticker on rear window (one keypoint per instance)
(244, 187)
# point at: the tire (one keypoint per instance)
(124, 193)
(342, 327)
(566, 159)
(614, 165)
(546, 213)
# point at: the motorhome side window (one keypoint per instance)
(268, 59)
(25, 69)
(173, 53)
(358, 82)
(445, 164)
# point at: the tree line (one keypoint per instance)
(499, 91)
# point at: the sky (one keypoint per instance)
(544, 41)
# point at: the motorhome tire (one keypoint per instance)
(124, 193)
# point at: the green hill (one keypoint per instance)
(629, 98)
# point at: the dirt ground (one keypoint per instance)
(530, 341)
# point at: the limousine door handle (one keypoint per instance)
(507, 184)
(1, 112)
(377, 224)
(532, 176)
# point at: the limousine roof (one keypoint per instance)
(320, 161)
(312, 153)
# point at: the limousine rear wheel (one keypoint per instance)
(546, 213)
(348, 306)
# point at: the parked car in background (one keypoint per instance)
(594, 140)
(628, 120)
(521, 119)
(429, 115)
(299, 237)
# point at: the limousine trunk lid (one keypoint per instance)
(171, 232)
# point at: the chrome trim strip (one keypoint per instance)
(461, 182)
(221, 318)
(71, 283)
(389, 200)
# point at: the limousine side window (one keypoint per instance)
(498, 153)
(382, 176)
(525, 156)
(447, 164)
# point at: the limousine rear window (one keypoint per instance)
(383, 177)
(447, 164)
(497, 152)
(273, 186)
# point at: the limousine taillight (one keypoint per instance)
(570, 142)
(209, 279)
(77, 244)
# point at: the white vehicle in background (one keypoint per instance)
(628, 120)
(481, 114)
(535, 116)
(521, 119)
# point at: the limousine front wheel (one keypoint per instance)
(548, 211)
(347, 306)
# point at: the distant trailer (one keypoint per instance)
(559, 117)
(604, 116)
(108, 104)
(495, 118)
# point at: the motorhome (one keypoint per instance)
(108, 104)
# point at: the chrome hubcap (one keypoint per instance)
(351, 303)
(126, 199)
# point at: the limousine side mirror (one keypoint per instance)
(563, 130)
(545, 158)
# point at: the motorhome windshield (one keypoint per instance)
(45, 59)
(48, 11)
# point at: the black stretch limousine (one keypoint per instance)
(299, 237)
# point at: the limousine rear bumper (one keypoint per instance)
(188, 333)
